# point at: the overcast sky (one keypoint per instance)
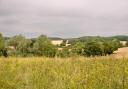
(64, 18)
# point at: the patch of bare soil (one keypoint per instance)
(121, 52)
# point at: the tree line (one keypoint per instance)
(41, 46)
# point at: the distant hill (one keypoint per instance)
(121, 37)
(55, 38)
(51, 38)
(84, 38)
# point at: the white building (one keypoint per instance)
(123, 43)
(67, 43)
(57, 42)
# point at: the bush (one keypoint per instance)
(92, 49)
(110, 46)
(127, 44)
(65, 52)
(78, 48)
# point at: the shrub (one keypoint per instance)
(92, 48)
(65, 52)
(78, 48)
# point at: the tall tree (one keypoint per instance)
(21, 45)
(43, 47)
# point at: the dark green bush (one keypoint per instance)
(92, 49)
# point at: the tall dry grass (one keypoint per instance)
(68, 73)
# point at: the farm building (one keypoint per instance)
(57, 42)
(123, 43)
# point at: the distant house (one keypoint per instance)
(123, 43)
(57, 42)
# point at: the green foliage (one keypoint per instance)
(1, 44)
(110, 46)
(65, 52)
(24, 47)
(43, 47)
(15, 41)
(116, 44)
(78, 48)
(107, 48)
(86, 38)
(21, 46)
(35, 47)
(127, 44)
(92, 49)
(120, 37)
(95, 47)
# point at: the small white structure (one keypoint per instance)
(123, 43)
(57, 42)
(67, 43)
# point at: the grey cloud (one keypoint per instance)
(63, 18)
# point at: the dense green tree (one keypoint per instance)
(24, 48)
(120, 37)
(1, 41)
(78, 48)
(92, 48)
(43, 47)
(95, 46)
(1, 44)
(115, 44)
(21, 45)
(109, 46)
(127, 43)
(15, 41)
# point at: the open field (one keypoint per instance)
(70, 73)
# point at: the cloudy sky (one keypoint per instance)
(64, 18)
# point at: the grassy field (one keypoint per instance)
(70, 73)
